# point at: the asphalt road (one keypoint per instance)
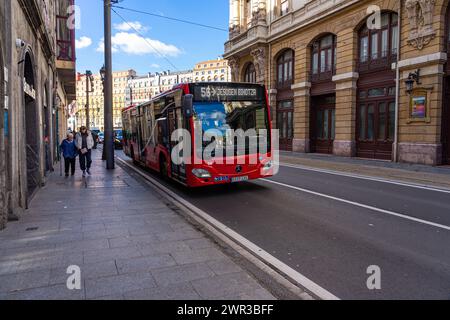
(331, 228)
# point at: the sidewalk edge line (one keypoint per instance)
(263, 260)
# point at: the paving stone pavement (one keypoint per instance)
(126, 241)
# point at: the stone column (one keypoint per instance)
(302, 99)
(234, 18)
(346, 95)
(259, 12)
(346, 80)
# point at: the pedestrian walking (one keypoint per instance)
(85, 142)
(70, 152)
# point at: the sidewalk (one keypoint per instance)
(126, 241)
(413, 173)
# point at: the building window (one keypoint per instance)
(284, 7)
(250, 73)
(323, 57)
(376, 44)
(285, 69)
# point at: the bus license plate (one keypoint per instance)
(239, 179)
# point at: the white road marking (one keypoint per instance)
(437, 225)
(245, 243)
(357, 176)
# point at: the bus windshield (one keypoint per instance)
(220, 119)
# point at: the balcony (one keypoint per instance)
(324, 75)
(368, 64)
(65, 50)
(251, 36)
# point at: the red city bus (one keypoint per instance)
(197, 109)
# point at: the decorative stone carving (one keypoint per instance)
(234, 31)
(259, 61)
(233, 62)
(420, 15)
(259, 14)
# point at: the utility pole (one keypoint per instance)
(87, 101)
(109, 142)
(88, 90)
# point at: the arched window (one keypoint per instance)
(250, 73)
(324, 57)
(378, 45)
(285, 69)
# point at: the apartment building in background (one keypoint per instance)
(96, 100)
(212, 70)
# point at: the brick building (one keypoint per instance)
(353, 78)
(37, 77)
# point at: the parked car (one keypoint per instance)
(101, 137)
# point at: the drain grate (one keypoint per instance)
(32, 229)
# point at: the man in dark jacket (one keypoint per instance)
(69, 150)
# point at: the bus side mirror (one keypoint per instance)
(188, 105)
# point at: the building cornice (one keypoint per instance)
(438, 57)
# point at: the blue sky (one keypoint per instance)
(183, 44)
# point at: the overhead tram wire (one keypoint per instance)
(170, 18)
(145, 39)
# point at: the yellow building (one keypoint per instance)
(368, 78)
(212, 70)
(96, 100)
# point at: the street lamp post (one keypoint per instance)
(107, 86)
(88, 90)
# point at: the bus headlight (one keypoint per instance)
(201, 173)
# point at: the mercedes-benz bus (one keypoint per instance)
(224, 130)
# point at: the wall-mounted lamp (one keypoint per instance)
(413, 77)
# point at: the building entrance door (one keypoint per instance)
(285, 124)
(375, 129)
(323, 119)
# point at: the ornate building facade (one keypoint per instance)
(352, 78)
(37, 67)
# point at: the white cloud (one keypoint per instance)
(84, 42)
(130, 26)
(155, 66)
(101, 46)
(134, 44)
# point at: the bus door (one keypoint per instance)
(175, 120)
(140, 141)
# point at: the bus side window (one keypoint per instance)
(162, 132)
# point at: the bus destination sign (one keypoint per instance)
(208, 92)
